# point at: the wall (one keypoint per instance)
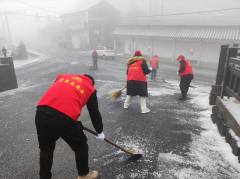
(142, 45)
(7, 75)
(183, 47)
(211, 52)
(163, 48)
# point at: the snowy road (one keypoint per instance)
(177, 139)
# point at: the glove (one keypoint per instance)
(177, 73)
(150, 68)
(100, 136)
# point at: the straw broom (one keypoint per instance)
(90, 68)
(117, 94)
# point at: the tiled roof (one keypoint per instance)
(180, 32)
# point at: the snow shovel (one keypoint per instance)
(110, 142)
(161, 76)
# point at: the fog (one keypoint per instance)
(34, 19)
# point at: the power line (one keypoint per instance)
(36, 7)
(70, 3)
(107, 18)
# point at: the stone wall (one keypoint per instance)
(8, 78)
(226, 131)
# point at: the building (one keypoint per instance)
(88, 26)
(199, 44)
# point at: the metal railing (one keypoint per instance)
(231, 78)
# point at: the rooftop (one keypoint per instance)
(180, 32)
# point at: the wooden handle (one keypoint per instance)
(123, 87)
(107, 140)
(159, 73)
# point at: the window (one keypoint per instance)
(191, 52)
(109, 48)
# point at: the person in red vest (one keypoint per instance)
(57, 117)
(137, 80)
(186, 73)
(154, 65)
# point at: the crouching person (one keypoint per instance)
(137, 80)
(57, 117)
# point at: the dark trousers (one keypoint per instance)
(95, 64)
(49, 129)
(154, 72)
(184, 84)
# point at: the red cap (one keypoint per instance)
(180, 56)
(156, 56)
(138, 52)
(94, 50)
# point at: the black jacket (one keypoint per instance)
(135, 88)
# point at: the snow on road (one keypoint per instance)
(210, 155)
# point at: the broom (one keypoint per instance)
(90, 68)
(117, 94)
(161, 76)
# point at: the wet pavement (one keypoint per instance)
(177, 138)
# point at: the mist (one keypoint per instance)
(144, 89)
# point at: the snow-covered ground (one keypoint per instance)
(209, 152)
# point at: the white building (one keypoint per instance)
(199, 44)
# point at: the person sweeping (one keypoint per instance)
(186, 73)
(154, 65)
(57, 117)
(137, 80)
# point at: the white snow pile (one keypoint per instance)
(234, 107)
(210, 157)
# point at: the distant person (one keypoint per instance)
(137, 80)
(57, 117)
(95, 59)
(186, 74)
(154, 65)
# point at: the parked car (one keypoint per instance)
(106, 52)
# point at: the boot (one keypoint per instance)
(90, 175)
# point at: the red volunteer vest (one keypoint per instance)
(154, 62)
(187, 70)
(135, 72)
(68, 94)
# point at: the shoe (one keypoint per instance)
(154, 79)
(145, 111)
(90, 175)
(181, 98)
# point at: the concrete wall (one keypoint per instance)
(211, 52)
(7, 75)
(163, 48)
(182, 48)
(142, 45)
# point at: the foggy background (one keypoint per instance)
(28, 20)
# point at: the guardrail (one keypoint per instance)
(231, 78)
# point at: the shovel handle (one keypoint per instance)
(107, 140)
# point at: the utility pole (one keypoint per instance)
(100, 22)
(8, 28)
(3, 29)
